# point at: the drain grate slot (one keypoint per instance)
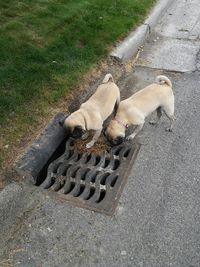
(89, 180)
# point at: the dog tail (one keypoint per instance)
(161, 79)
(108, 77)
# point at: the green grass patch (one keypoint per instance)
(47, 45)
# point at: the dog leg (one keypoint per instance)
(172, 119)
(94, 139)
(116, 107)
(137, 130)
(169, 111)
(159, 114)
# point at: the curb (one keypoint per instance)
(31, 164)
(132, 43)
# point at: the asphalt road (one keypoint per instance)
(157, 220)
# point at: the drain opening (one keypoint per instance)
(106, 163)
(84, 173)
(71, 187)
(93, 178)
(80, 191)
(74, 172)
(78, 157)
(98, 159)
(114, 180)
(126, 153)
(102, 196)
(103, 179)
(116, 164)
(64, 171)
(55, 168)
(92, 191)
(43, 173)
(88, 158)
(116, 152)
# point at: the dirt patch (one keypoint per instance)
(99, 148)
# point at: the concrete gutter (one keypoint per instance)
(11, 202)
(132, 43)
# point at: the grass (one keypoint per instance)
(47, 46)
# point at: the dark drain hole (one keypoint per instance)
(43, 173)
(78, 157)
(116, 164)
(92, 190)
(55, 168)
(64, 172)
(84, 173)
(81, 189)
(93, 178)
(88, 158)
(102, 196)
(72, 185)
(103, 179)
(97, 160)
(73, 174)
(114, 180)
(127, 153)
(106, 163)
(117, 151)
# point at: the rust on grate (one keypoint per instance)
(89, 180)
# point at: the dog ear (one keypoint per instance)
(61, 121)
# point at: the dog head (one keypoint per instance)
(74, 126)
(115, 133)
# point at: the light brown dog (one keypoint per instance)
(133, 111)
(94, 111)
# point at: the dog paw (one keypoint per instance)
(153, 122)
(168, 129)
(130, 137)
(89, 145)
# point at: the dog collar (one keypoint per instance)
(121, 122)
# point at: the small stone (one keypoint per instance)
(123, 253)
(6, 146)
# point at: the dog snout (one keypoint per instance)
(119, 140)
(116, 141)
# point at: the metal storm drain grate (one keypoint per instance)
(88, 180)
(84, 179)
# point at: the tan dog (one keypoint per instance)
(136, 108)
(94, 111)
